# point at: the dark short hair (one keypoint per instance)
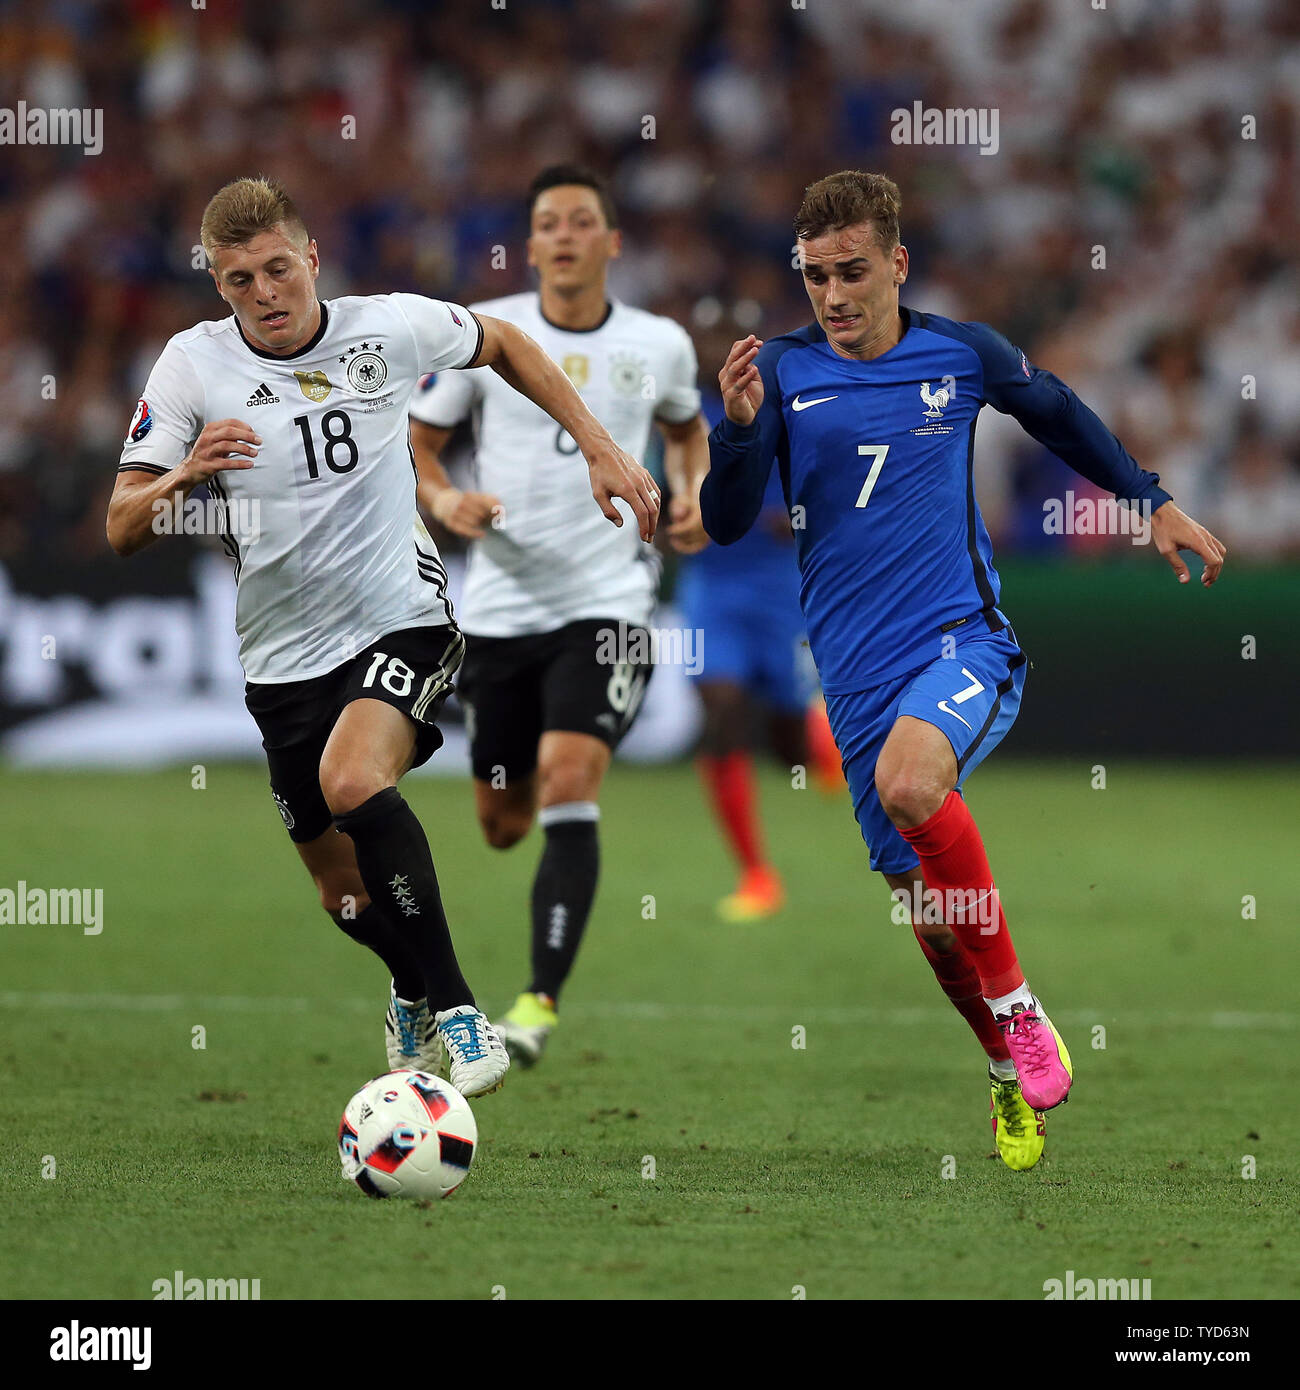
(563, 175)
(847, 198)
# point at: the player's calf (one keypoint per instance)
(503, 829)
(333, 867)
(505, 813)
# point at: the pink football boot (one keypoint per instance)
(1042, 1062)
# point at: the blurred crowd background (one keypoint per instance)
(1164, 132)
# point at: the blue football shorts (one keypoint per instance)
(973, 696)
(751, 639)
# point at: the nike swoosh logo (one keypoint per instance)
(797, 405)
(943, 705)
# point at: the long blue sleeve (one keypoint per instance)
(1051, 413)
(740, 459)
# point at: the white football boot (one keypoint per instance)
(411, 1036)
(479, 1060)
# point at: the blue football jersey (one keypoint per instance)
(761, 565)
(876, 461)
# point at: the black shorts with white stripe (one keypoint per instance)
(412, 670)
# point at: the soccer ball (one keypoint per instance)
(407, 1134)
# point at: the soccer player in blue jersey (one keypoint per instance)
(755, 685)
(870, 415)
(745, 600)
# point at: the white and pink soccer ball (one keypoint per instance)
(407, 1134)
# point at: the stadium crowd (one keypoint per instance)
(1137, 230)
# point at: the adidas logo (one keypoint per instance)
(263, 396)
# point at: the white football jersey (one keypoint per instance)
(551, 557)
(336, 555)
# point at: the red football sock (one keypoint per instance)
(821, 746)
(960, 981)
(954, 866)
(730, 780)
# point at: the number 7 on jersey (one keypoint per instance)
(879, 451)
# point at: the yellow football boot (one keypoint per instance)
(527, 1027)
(1018, 1129)
(760, 895)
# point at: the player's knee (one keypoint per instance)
(726, 724)
(504, 828)
(789, 740)
(345, 788)
(909, 798)
(576, 779)
(722, 738)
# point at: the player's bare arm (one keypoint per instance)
(222, 445)
(519, 362)
(742, 386)
(463, 513)
(1173, 530)
(686, 461)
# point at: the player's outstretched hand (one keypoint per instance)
(463, 513)
(1173, 530)
(742, 387)
(686, 533)
(615, 473)
(222, 445)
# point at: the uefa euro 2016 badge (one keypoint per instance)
(141, 422)
(367, 371)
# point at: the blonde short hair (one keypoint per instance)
(244, 209)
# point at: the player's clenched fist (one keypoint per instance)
(686, 533)
(222, 445)
(463, 513)
(742, 387)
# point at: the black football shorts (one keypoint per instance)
(411, 670)
(575, 679)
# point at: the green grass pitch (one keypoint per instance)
(674, 1144)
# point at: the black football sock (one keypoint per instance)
(371, 928)
(563, 890)
(397, 869)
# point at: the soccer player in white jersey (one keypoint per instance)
(293, 411)
(555, 610)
